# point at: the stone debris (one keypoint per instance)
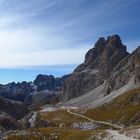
(84, 125)
(32, 120)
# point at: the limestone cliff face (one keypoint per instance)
(97, 67)
(127, 69)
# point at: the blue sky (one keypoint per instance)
(36, 35)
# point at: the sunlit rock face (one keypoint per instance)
(128, 69)
(97, 67)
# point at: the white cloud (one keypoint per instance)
(25, 48)
(51, 57)
(37, 33)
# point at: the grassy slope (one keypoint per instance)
(57, 134)
(61, 116)
(120, 110)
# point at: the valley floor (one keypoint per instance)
(64, 124)
(72, 134)
(118, 119)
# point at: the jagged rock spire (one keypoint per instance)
(97, 67)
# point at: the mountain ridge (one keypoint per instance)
(21, 90)
(97, 67)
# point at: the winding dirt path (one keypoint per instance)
(94, 121)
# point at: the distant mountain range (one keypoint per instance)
(21, 91)
(18, 99)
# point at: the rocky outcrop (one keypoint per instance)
(127, 69)
(97, 67)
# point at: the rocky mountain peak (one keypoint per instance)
(108, 47)
(105, 53)
(97, 67)
(97, 50)
(114, 40)
(100, 43)
(114, 45)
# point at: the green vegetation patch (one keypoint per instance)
(61, 116)
(57, 134)
(120, 110)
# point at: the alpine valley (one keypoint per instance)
(100, 100)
